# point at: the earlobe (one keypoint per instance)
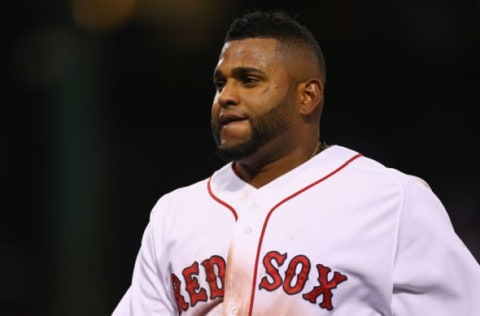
(311, 96)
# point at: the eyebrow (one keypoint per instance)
(238, 72)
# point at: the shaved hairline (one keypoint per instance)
(302, 60)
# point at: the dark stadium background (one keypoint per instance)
(105, 107)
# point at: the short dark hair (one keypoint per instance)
(278, 25)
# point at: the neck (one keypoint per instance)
(258, 175)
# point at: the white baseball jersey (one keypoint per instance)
(339, 235)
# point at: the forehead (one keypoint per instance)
(252, 52)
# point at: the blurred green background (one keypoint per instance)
(105, 107)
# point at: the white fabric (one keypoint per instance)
(340, 235)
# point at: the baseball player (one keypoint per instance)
(289, 226)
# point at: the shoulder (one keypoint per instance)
(372, 177)
(184, 196)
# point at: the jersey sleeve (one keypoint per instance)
(434, 272)
(148, 294)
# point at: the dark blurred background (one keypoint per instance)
(105, 107)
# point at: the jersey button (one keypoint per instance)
(254, 207)
(233, 310)
(247, 230)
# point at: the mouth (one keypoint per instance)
(225, 119)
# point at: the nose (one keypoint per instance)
(228, 95)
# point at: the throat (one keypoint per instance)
(264, 174)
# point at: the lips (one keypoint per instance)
(224, 119)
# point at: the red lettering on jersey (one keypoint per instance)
(325, 288)
(215, 275)
(302, 276)
(296, 276)
(272, 271)
(181, 304)
(193, 288)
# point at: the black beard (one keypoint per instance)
(242, 150)
(264, 128)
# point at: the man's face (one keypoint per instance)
(255, 97)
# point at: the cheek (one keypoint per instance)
(267, 99)
(214, 111)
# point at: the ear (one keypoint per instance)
(311, 96)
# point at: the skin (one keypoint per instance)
(267, 106)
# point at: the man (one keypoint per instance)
(290, 226)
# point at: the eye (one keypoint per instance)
(250, 80)
(219, 84)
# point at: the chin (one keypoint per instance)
(237, 152)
